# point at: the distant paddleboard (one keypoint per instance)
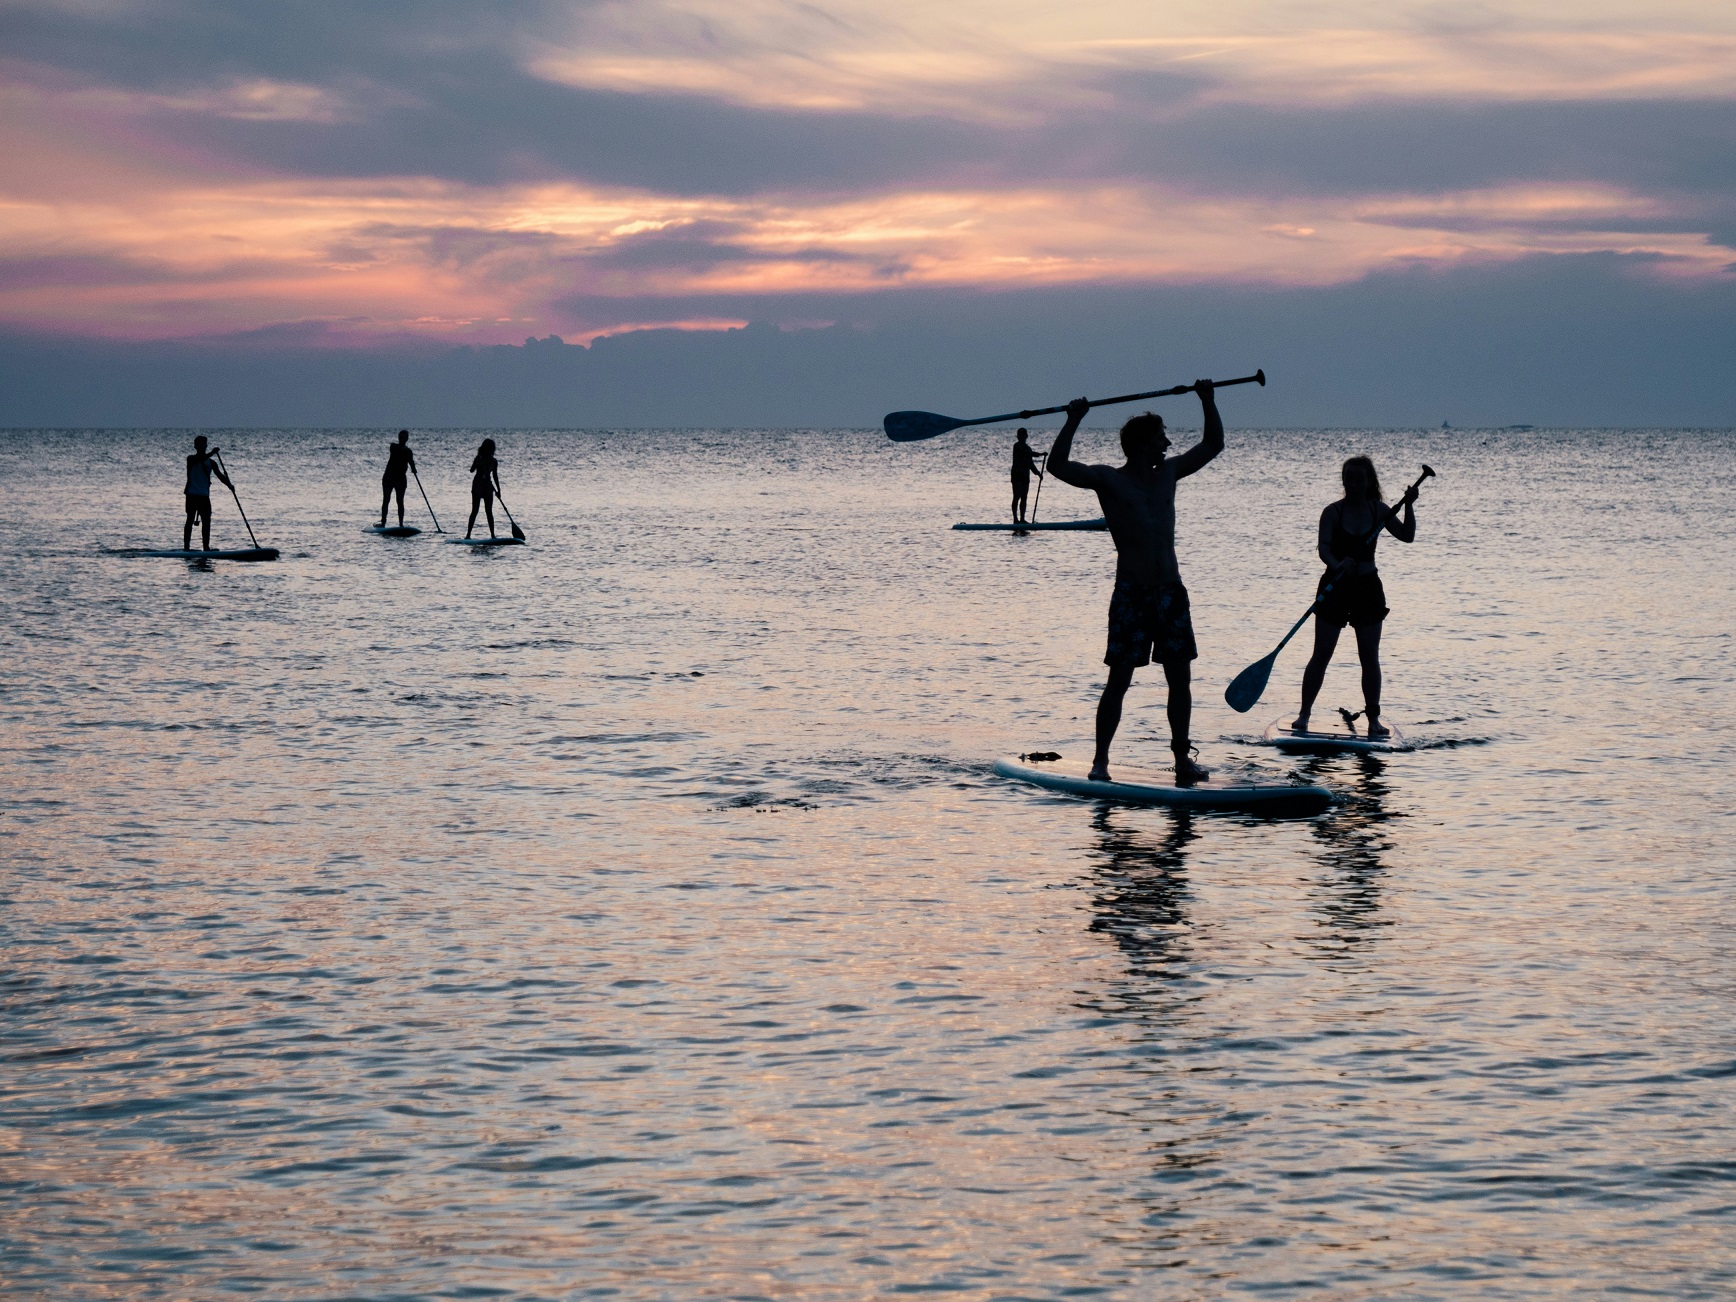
(1098, 524)
(1339, 741)
(506, 540)
(1145, 787)
(393, 530)
(234, 554)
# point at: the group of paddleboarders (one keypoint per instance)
(1149, 614)
(484, 480)
(204, 462)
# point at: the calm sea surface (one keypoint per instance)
(635, 914)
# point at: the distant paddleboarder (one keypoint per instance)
(400, 462)
(1024, 462)
(484, 484)
(1357, 597)
(1149, 617)
(201, 465)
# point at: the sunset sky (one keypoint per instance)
(479, 172)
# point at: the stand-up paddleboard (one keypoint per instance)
(506, 540)
(1342, 741)
(232, 554)
(393, 530)
(1098, 524)
(1134, 786)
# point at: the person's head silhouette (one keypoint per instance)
(403, 436)
(1144, 439)
(199, 443)
(1022, 436)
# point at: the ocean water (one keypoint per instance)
(635, 914)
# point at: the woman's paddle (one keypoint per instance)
(237, 497)
(1247, 687)
(516, 531)
(427, 503)
(909, 426)
(1042, 474)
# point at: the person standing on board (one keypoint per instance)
(1357, 597)
(1024, 462)
(400, 461)
(1149, 617)
(201, 465)
(484, 483)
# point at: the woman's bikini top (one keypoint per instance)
(1355, 546)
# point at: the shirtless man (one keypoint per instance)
(400, 461)
(1024, 462)
(1148, 615)
(201, 465)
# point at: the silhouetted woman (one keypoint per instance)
(484, 483)
(1349, 529)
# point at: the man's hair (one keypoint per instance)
(199, 441)
(1146, 425)
(1021, 436)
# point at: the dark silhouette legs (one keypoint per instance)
(386, 498)
(1367, 650)
(1020, 493)
(204, 519)
(486, 504)
(1179, 675)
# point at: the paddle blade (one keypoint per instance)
(517, 532)
(909, 426)
(1244, 693)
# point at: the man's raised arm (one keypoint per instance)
(1060, 462)
(1212, 442)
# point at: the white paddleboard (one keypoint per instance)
(505, 540)
(1328, 741)
(233, 554)
(1134, 786)
(393, 530)
(1098, 524)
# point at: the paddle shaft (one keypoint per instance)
(426, 502)
(1259, 377)
(501, 497)
(1042, 474)
(228, 479)
(1373, 534)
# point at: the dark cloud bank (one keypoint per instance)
(1584, 340)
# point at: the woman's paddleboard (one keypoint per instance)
(393, 530)
(234, 554)
(1145, 787)
(1098, 524)
(1343, 741)
(506, 541)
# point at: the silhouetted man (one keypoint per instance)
(1148, 615)
(1024, 462)
(400, 461)
(201, 465)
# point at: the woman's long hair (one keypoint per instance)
(487, 448)
(1367, 468)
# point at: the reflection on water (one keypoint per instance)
(1140, 891)
(1354, 844)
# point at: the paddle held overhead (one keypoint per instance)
(911, 426)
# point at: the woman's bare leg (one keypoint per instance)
(1368, 649)
(1325, 643)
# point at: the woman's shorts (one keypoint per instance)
(1149, 623)
(1358, 600)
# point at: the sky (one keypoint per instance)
(186, 178)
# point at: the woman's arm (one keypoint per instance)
(1327, 556)
(1405, 528)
